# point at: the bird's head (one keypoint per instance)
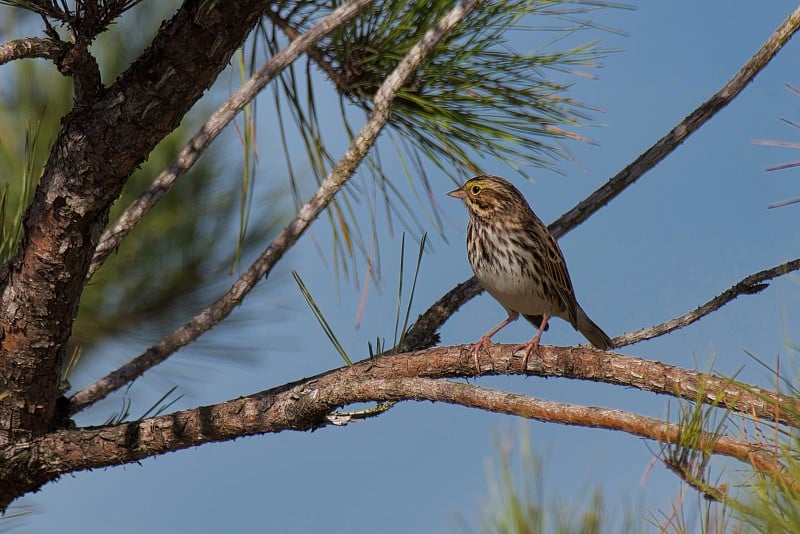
(490, 196)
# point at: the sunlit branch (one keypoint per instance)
(423, 333)
(582, 363)
(313, 52)
(165, 181)
(262, 266)
(29, 47)
(306, 405)
(574, 415)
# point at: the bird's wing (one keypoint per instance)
(557, 268)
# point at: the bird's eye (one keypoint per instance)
(475, 189)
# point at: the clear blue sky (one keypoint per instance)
(687, 231)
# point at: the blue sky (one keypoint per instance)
(687, 231)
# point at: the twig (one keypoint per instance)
(29, 47)
(696, 480)
(313, 52)
(748, 286)
(134, 213)
(429, 322)
(338, 176)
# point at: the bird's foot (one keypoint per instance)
(481, 345)
(530, 347)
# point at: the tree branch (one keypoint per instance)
(134, 213)
(306, 405)
(581, 363)
(424, 330)
(682, 131)
(262, 266)
(313, 52)
(29, 47)
(748, 286)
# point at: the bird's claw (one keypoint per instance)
(481, 345)
(530, 347)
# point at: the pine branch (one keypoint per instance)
(200, 141)
(306, 405)
(581, 363)
(29, 47)
(262, 266)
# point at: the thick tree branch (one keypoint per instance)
(29, 47)
(78, 63)
(748, 286)
(262, 266)
(101, 142)
(164, 182)
(582, 363)
(306, 406)
(424, 330)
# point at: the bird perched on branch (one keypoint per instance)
(518, 262)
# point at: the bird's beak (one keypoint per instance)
(458, 193)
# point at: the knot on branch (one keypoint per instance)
(79, 64)
(753, 288)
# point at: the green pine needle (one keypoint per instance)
(326, 327)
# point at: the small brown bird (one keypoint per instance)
(519, 263)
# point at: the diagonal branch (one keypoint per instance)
(306, 406)
(164, 182)
(682, 131)
(748, 286)
(29, 47)
(423, 333)
(262, 266)
(313, 51)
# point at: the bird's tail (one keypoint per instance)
(592, 332)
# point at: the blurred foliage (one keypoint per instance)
(765, 503)
(520, 503)
(33, 97)
(741, 499)
(158, 274)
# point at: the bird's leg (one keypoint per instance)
(485, 340)
(533, 344)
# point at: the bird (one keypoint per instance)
(519, 263)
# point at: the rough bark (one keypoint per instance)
(106, 136)
(307, 404)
